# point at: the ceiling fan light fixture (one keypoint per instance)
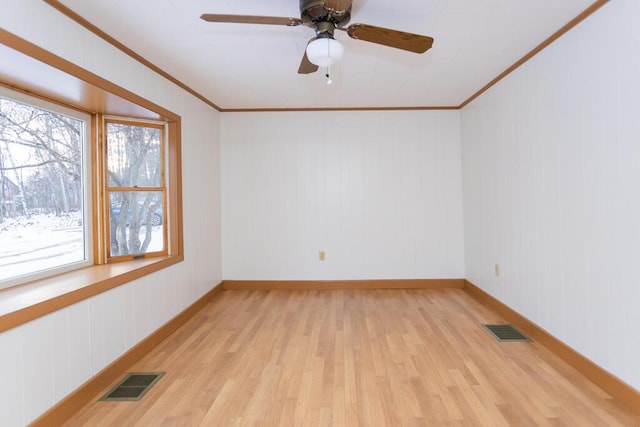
(324, 51)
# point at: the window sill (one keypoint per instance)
(27, 302)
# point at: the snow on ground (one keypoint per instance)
(44, 241)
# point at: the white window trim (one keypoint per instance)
(87, 188)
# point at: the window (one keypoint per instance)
(36, 71)
(44, 197)
(47, 212)
(135, 188)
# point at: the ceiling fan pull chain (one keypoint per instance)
(329, 81)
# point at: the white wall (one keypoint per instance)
(44, 360)
(551, 164)
(380, 192)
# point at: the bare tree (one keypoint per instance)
(41, 151)
(38, 142)
(134, 154)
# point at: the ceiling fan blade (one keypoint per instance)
(306, 67)
(392, 38)
(337, 5)
(251, 19)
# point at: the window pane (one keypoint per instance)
(136, 221)
(41, 190)
(133, 155)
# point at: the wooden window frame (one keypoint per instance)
(63, 82)
(107, 189)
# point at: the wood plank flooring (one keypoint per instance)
(355, 358)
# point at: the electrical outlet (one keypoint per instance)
(322, 256)
(496, 268)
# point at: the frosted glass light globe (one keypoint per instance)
(324, 51)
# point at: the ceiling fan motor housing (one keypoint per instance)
(315, 11)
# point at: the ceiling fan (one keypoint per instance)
(326, 16)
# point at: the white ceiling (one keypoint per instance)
(241, 66)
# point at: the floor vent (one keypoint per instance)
(506, 333)
(133, 386)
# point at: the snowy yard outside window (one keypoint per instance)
(46, 219)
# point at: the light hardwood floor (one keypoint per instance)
(349, 358)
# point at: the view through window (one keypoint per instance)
(43, 191)
(135, 188)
